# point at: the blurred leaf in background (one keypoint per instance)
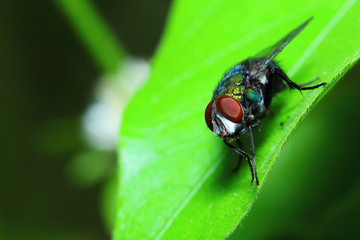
(57, 66)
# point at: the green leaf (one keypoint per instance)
(175, 175)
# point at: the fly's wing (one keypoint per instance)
(267, 55)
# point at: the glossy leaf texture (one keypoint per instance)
(175, 178)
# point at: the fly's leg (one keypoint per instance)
(291, 84)
(309, 83)
(242, 154)
(253, 157)
(245, 155)
(240, 157)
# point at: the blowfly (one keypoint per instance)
(243, 97)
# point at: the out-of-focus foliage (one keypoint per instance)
(52, 181)
(95, 33)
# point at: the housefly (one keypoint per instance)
(243, 97)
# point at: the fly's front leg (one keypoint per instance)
(253, 157)
(245, 155)
(291, 84)
(240, 157)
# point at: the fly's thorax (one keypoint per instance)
(231, 83)
(236, 91)
(263, 77)
(254, 96)
(253, 104)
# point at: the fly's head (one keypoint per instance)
(224, 116)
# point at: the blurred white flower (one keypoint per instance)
(102, 119)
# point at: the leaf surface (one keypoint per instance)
(175, 178)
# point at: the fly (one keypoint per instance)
(243, 97)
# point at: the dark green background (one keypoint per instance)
(47, 78)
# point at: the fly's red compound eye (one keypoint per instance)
(208, 112)
(230, 108)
